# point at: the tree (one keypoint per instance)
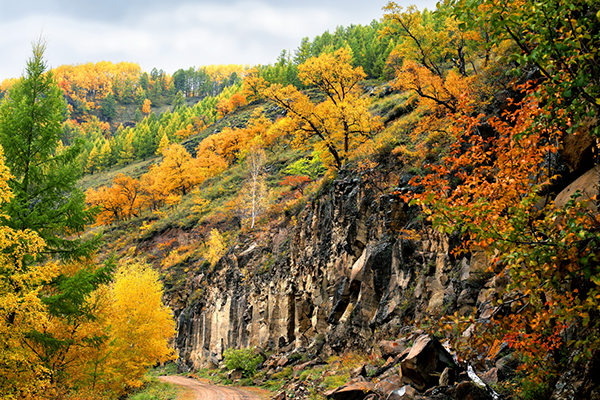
(494, 192)
(22, 309)
(45, 202)
(44, 181)
(560, 40)
(118, 202)
(256, 188)
(140, 327)
(216, 247)
(146, 106)
(108, 107)
(163, 145)
(336, 126)
(178, 171)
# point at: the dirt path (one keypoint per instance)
(198, 390)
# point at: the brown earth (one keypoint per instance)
(201, 390)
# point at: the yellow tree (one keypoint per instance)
(146, 106)
(163, 144)
(22, 309)
(337, 125)
(139, 327)
(178, 171)
(216, 247)
(230, 143)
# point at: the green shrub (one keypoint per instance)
(244, 359)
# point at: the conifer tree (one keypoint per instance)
(44, 181)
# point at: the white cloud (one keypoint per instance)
(191, 34)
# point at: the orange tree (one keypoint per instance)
(494, 191)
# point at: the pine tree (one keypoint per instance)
(44, 181)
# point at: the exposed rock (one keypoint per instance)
(492, 377)
(283, 361)
(351, 391)
(303, 366)
(425, 362)
(235, 374)
(406, 392)
(587, 184)
(447, 377)
(391, 348)
(359, 371)
(467, 391)
(385, 386)
(507, 365)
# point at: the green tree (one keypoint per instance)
(44, 180)
(45, 201)
(108, 107)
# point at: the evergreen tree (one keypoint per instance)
(44, 180)
(108, 107)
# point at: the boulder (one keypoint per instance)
(467, 391)
(391, 348)
(587, 184)
(404, 393)
(303, 366)
(359, 371)
(448, 377)
(235, 374)
(283, 361)
(492, 377)
(385, 386)
(577, 147)
(351, 391)
(425, 362)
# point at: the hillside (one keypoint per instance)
(406, 210)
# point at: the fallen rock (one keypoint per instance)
(391, 348)
(303, 366)
(351, 391)
(359, 371)
(406, 392)
(448, 377)
(467, 391)
(492, 377)
(283, 361)
(235, 374)
(385, 386)
(425, 362)
(507, 365)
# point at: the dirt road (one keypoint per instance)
(198, 390)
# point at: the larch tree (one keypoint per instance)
(46, 199)
(21, 308)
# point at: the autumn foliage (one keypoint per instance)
(337, 126)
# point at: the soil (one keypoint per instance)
(197, 390)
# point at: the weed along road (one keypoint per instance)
(198, 390)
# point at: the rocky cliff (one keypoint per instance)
(342, 276)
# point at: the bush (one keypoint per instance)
(244, 359)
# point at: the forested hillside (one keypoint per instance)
(404, 210)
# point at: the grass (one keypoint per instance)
(156, 390)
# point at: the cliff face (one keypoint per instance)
(344, 275)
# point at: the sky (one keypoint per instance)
(171, 34)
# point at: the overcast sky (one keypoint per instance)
(171, 34)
